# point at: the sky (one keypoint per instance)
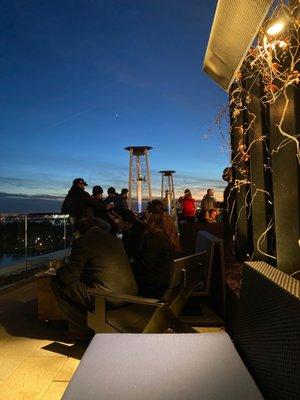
(82, 79)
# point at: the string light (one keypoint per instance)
(272, 63)
(276, 28)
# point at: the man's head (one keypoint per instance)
(111, 191)
(227, 174)
(84, 224)
(124, 192)
(187, 193)
(210, 192)
(79, 182)
(97, 191)
(127, 218)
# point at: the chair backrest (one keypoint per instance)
(214, 272)
(186, 266)
(188, 234)
(185, 275)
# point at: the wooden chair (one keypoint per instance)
(144, 315)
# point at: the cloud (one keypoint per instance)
(11, 203)
(27, 196)
(127, 75)
(29, 183)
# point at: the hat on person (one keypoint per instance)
(79, 180)
(97, 190)
(187, 191)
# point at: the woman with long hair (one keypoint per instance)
(160, 246)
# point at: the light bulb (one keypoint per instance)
(275, 28)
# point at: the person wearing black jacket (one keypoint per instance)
(100, 208)
(97, 259)
(160, 246)
(132, 232)
(123, 199)
(78, 203)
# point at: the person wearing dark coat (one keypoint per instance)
(160, 246)
(112, 197)
(97, 259)
(229, 217)
(100, 208)
(78, 203)
(132, 232)
(123, 199)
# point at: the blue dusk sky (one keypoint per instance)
(82, 79)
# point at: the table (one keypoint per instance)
(162, 366)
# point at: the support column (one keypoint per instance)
(138, 152)
(148, 175)
(139, 180)
(171, 200)
(130, 179)
(243, 237)
(162, 189)
(284, 113)
(260, 195)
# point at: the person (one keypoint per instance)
(132, 231)
(188, 206)
(123, 199)
(207, 203)
(160, 246)
(112, 197)
(212, 216)
(100, 209)
(112, 205)
(229, 217)
(229, 209)
(97, 259)
(78, 203)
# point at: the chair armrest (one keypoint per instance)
(126, 297)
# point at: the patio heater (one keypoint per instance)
(139, 173)
(168, 192)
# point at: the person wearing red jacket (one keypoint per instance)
(188, 206)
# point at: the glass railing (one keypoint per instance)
(32, 239)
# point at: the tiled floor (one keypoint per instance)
(35, 364)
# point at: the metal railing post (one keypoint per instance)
(26, 240)
(65, 237)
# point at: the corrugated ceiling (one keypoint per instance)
(235, 25)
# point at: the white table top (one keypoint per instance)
(162, 367)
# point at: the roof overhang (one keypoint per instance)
(235, 26)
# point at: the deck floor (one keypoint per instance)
(35, 363)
